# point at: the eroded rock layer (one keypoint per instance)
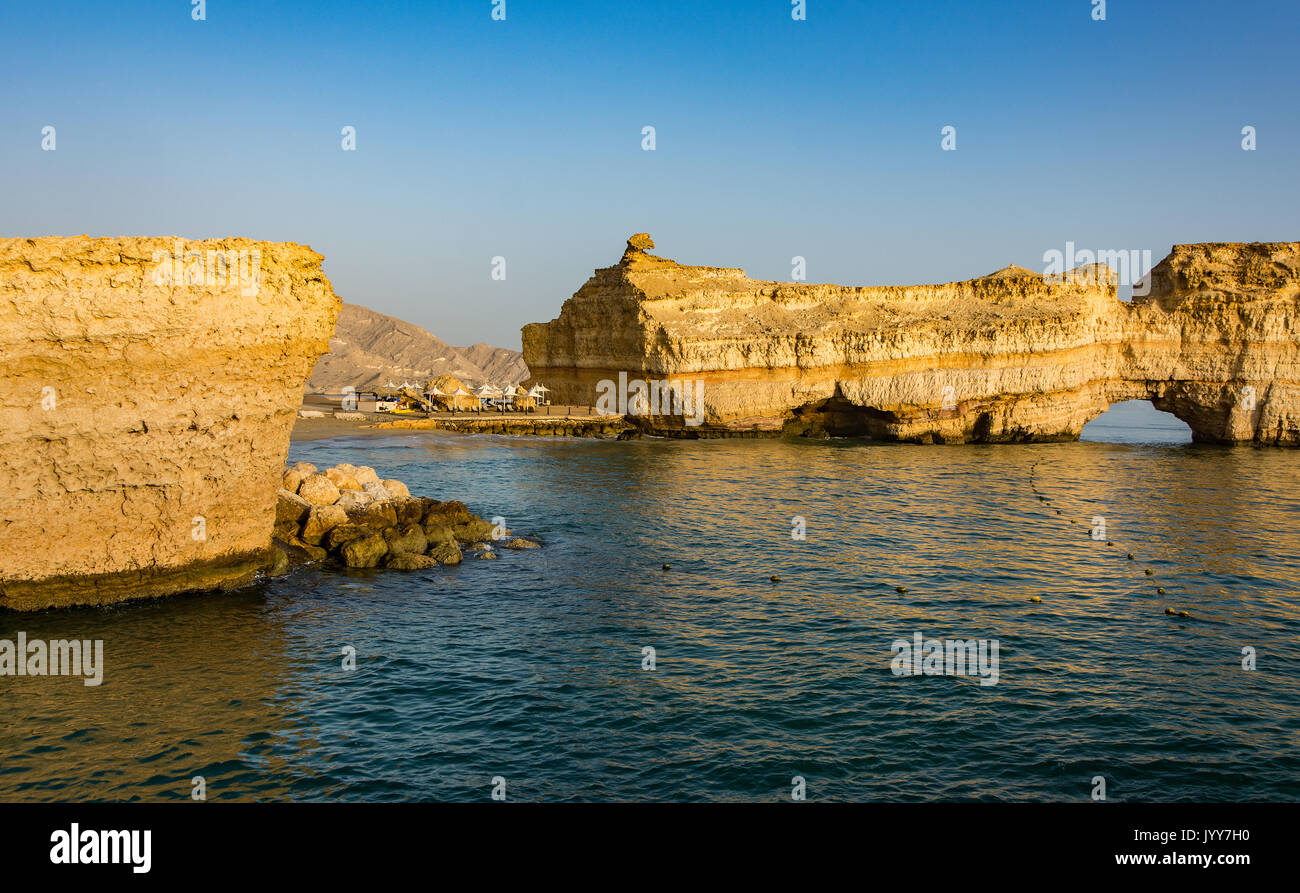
(1010, 357)
(148, 394)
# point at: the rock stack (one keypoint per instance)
(348, 513)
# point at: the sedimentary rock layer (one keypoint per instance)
(1009, 357)
(148, 394)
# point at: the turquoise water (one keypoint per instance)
(530, 667)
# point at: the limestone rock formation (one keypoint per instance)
(148, 394)
(1010, 357)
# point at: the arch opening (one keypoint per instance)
(1136, 421)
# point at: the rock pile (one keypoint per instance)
(348, 513)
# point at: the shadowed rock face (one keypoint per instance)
(145, 410)
(1011, 357)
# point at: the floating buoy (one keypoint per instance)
(1036, 599)
(900, 588)
(1149, 572)
(1130, 556)
(666, 566)
(1169, 611)
(1160, 590)
(1184, 614)
(776, 579)
(1109, 543)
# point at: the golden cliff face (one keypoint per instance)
(1011, 357)
(149, 390)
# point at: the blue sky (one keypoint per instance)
(774, 137)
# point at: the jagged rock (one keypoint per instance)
(318, 490)
(364, 551)
(284, 529)
(409, 538)
(303, 468)
(321, 520)
(520, 543)
(1011, 357)
(446, 553)
(290, 507)
(407, 561)
(489, 555)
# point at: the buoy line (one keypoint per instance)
(1043, 498)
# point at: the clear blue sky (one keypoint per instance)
(775, 137)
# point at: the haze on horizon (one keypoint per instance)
(774, 138)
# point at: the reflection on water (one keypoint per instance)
(529, 667)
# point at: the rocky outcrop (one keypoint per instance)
(1009, 357)
(370, 522)
(148, 394)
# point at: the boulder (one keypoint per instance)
(343, 534)
(282, 530)
(303, 468)
(365, 474)
(292, 478)
(436, 532)
(445, 553)
(318, 490)
(397, 489)
(342, 479)
(364, 551)
(446, 512)
(408, 538)
(409, 511)
(407, 561)
(321, 520)
(375, 516)
(378, 492)
(279, 564)
(290, 507)
(520, 543)
(300, 552)
(489, 555)
(350, 499)
(472, 531)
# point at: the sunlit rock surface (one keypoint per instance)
(145, 410)
(1009, 357)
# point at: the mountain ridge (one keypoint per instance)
(369, 349)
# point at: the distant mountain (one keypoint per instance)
(370, 350)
